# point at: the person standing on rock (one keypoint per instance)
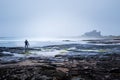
(26, 44)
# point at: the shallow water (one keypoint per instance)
(35, 43)
(79, 48)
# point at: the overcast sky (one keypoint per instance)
(56, 18)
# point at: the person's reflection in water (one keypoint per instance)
(26, 45)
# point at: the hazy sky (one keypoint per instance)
(56, 18)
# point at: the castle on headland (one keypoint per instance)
(93, 33)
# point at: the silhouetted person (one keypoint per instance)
(26, 44)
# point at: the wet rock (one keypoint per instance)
(115, 70)
(25, 73)
(59, 75)
(10, 60)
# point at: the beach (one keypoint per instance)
(69, 60)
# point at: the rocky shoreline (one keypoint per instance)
(72, 64)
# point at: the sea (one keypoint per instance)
(37, 42)
(91, 49)
(34, 43)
